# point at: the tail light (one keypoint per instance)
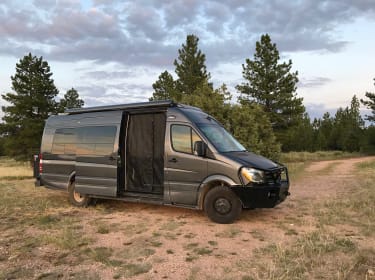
(40, 164)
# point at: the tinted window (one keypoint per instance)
(89, 140)
(220, 138)
(96, 140)
(183, 138)
(64, 141)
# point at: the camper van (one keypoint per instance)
(156, 152)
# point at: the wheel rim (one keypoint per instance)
(78, 197)
(223, 206)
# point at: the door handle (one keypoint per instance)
(174, 160)
(113, 158)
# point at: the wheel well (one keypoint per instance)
(208, 186)
(72, 178)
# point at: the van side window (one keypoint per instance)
(64, 141)
(96, 140)
(183, 138)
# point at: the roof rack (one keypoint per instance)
(151, 104)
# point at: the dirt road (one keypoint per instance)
(120, 240)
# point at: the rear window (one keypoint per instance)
(64, 141)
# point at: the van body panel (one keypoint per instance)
(97, 154)
(184, 172)
(57, 170)
(251, 160)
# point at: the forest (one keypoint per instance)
(268, 117)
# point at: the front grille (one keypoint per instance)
(275, 176)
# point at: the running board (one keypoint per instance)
(137, 197)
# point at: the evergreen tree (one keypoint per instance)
(319, 139)
(300, 137)
(71, 100)
(370, 104)
(272, 85)
(250, 125)
(213, 102)
(165, 88)
(347, 131)
(190, 66)
(30, 104)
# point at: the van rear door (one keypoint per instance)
(97, 155)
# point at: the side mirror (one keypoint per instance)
(200, 148)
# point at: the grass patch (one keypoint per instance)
(134, 229)
(134, 252)
(229, 233)
(48, 220)
(256, 234)
(103, 229)
(202, 251)
(367, 166)
(101, 254)
(17, 272)
(316, 156)
(133, 269)
(212, 242)
(68, 238)
(296, 169)
(315, 255)
(357, 208)
(328, 252)
(171, 225)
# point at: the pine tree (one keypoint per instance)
(250, 125)
(165, 88)
(300, 137)
(71, 100)
(347, 130)
(190, 67)
(30, 104)
(370, 104)
(273, 86)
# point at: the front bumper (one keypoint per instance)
(262, 196)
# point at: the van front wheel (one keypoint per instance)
(77, 199)
(222, 205)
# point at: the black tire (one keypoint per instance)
(77, 199)
(222, 205)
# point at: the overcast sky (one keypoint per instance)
(112, 51)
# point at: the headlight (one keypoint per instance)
(252, 175)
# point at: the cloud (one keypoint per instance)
(134, 32)
(140, 35)
(313, 82)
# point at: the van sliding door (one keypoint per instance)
(144, 166)
(97, 154)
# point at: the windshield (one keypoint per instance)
(220, 138)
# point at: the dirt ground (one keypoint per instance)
(139, 241)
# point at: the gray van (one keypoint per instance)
(156, 152)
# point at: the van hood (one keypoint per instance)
(251, 160)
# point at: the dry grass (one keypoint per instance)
(43, 237)
(11, 169)
(316, 156)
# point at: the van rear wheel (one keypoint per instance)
(222, 205)
(77, 199)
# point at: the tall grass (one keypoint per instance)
(327, 253)
(316, 156)
(11, 169)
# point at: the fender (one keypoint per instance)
(210, 182)
(71, 179)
